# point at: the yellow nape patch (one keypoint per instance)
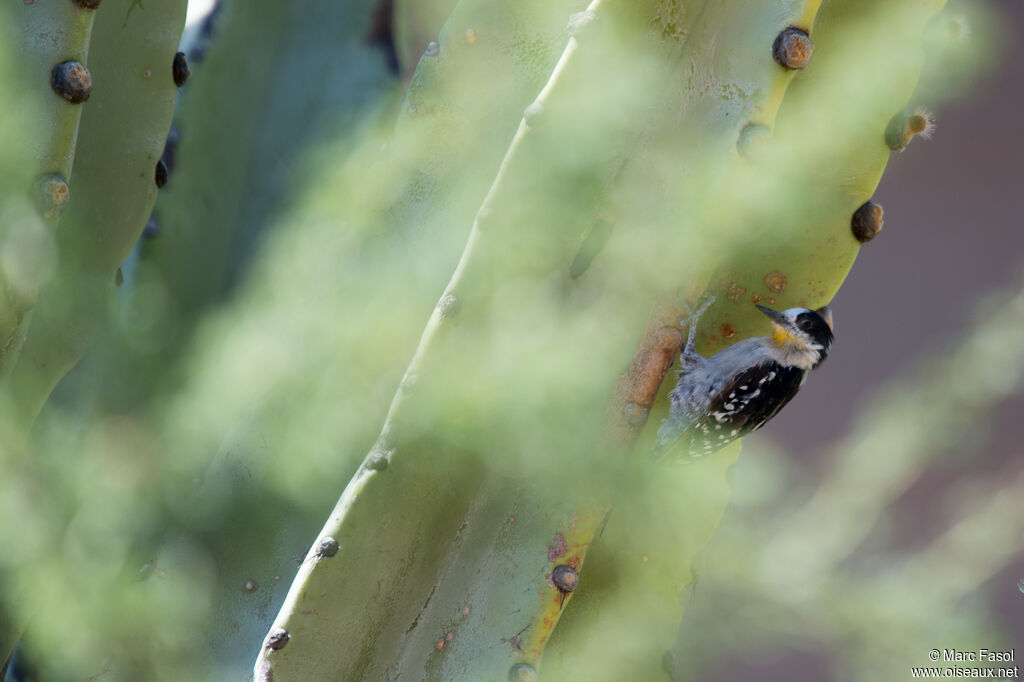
(781, 335)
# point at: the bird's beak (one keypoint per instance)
(777, 318)
(784, 330)
(826, 314)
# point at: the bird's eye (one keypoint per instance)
(806, 323)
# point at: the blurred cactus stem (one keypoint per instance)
(53, 38)
(495, 545)
(119, 141)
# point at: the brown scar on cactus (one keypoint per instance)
(776, 282)
(87, 4)
(792, 48)
(903, 127)
(71, 80)
(635, 414)
(636, 389)
(735, 292)
(867, 221)
(516, 640)
(51, 195)
(558, 547)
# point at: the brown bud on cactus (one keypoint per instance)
(792, 48)
(565, 578)
(71, 81)
(277, 639)
(180, 70)
(160, 174)
(867, 221)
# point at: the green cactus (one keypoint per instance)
(119, 143)
(603, 160)
(109, 135)
(53, 40)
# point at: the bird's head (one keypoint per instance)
(803, 336)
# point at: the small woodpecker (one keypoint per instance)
(737, 390)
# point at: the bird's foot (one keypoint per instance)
(693, 316)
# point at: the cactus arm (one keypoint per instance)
(827, 149)
(245, 124)
(50, 34)
(120, 139)
(440, 487)
(635, 580)
(454, 127)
